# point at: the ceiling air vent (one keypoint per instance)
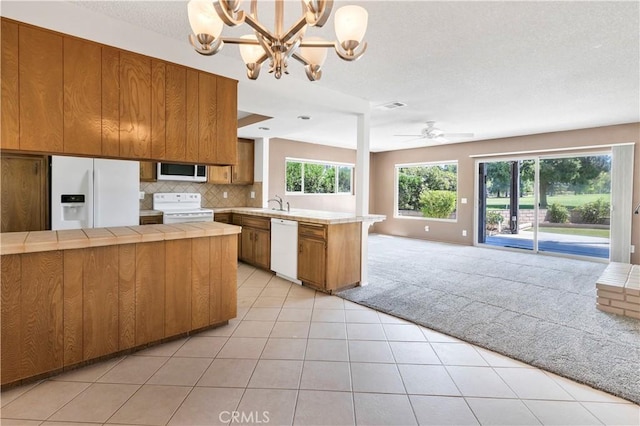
(392, 105)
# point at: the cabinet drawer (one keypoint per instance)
(236, 219)
(256, 222)
(312, 230)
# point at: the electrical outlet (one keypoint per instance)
(426, 229)
(253, 194)
(464, 232)
(463, 200)
(633, 249)
(225, 195)
(141, 195)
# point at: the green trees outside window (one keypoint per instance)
(427, 190)
(308, 177)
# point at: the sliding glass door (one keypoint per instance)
(575, 197)
(508, 203)
(547, 204)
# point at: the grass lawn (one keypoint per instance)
(567, 200)
(603, 233)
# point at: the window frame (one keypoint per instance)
(335, 164)
(396, 196)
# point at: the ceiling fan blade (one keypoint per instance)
(417, 136)
(457, 135)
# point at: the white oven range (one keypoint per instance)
(181, 207)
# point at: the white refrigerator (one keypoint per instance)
(94, 192)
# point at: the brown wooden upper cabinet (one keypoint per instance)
(135, 105)
(217, 108)
(82, 97)
(227, 123)
(62, 94)
(207, 118)
(148, 171)
(10, 131)
(40, 65)
(181, 115)
(110, 99)
(175, 144)
(240, 173)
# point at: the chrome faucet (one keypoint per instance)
(277, 200)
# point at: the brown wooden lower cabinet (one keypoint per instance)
(312, 265)
(329, 255)
(200, 282)
(127, 296)
(222, 217)
(150, 291)
(177, 300)
(11, 320)
(63, 307)
(90, 303)
(256, 240)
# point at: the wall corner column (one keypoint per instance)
(362, 190)
(261, 167)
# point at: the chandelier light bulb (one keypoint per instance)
(250, 53)
(351, 23)
(204, 19)
(315, 55)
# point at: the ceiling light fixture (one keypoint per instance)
(207, 19)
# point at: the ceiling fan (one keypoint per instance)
(431, 132)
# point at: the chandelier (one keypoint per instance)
(207, 19)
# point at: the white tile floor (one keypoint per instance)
(294, 356)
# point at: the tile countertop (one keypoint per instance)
(37, 241)
(311, 216)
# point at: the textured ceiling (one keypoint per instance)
(496, 69)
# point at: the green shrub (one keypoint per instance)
(558, 213)
(437, 204)
(494, 218)
(595, 211)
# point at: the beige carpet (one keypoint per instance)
(534, 308)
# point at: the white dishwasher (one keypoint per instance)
(284, 249)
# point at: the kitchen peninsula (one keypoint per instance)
(328, 244)
(72, 296)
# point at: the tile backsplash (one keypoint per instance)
(212, 195)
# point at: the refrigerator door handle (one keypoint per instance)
(96, 199)
(91, 193)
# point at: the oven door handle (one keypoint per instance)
(188, 215)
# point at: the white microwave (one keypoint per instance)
(182, 172)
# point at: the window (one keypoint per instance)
(427, 190)
(315, 177)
